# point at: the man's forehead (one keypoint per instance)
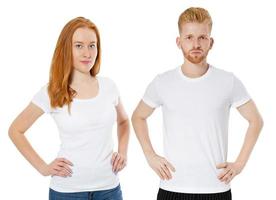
(195, 28)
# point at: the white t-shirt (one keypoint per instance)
(86, 138)
(195, 125)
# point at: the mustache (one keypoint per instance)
(196, 49)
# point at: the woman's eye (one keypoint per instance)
(78, 46)
(92, 46)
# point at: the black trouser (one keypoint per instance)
(167, 195)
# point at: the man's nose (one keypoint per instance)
(196, 43)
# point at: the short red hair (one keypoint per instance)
(194, 14)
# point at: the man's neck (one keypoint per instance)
(194, 70)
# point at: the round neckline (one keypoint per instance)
(91, 98)
(202, 77)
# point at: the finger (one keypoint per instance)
(67, 173)
(227, 179)
(113, 157)
(169, 165)
(65, 161)
(62, 174)
(57, 168)
(119, 165)
(123, 165)
(223, 173)
(116, 162)
(163, 174)
(222, 165)
(167, 171)
(230, 179)
(224, 178)
(64, 165)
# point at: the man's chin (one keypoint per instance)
(195, 59)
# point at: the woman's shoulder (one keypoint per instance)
(106, 80)
(41, 99)
(43, 89)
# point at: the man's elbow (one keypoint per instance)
(261, 122)
(135, 117)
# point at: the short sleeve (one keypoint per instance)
(114, 91)
(152, 95)
(239, 94)
(116, 94)
(41, 99)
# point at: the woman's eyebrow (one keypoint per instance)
(83, 42)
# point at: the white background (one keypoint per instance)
(138, 41)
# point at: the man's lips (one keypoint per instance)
(196, 51)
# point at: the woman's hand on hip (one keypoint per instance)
(58, 167)
(118, 162)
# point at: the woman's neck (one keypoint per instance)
(80, 78)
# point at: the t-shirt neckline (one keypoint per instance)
(202, 77)
(92, 98)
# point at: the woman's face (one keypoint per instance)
(84, 49)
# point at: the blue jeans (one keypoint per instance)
(111, 194)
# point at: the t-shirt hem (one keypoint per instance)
(149, 103)
(84, 189)
(241, 102)
(40, 106)
(195, 190)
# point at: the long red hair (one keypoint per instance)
(61, 70)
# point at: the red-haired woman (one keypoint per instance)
(84, 107)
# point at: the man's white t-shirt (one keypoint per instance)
(195, 125)
(86, 138)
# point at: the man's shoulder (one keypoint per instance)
(169, 74)
(222, 72)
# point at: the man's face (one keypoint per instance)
(195, 41)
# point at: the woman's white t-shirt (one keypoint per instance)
(86, 138)
(195, 125)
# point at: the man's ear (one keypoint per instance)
(211, 42)
(178, 43)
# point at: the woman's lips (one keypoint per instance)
(86, 62)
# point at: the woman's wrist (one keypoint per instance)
(43, 169)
